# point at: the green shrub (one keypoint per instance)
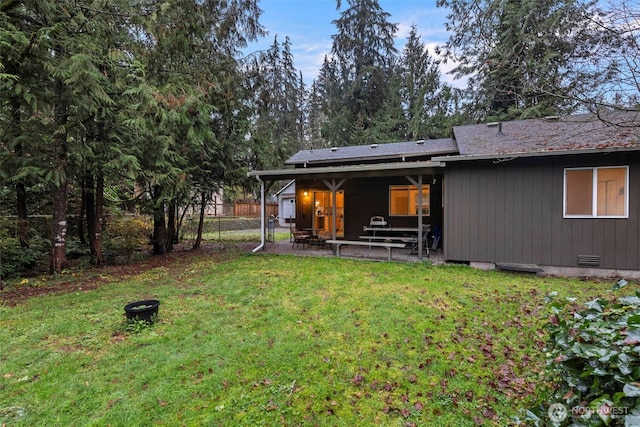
(13, 257)
(75, 249)
(126, 234)
(593, 365)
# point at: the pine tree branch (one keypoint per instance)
(118, 14)
(7, 5)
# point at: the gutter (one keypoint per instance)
(262, 213)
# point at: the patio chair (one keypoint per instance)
(422, 241)
(300, 237)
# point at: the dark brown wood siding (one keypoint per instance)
(367, 197)
(512, 211)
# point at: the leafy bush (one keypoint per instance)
(13, 257)
(126, 234)
(593, 364)
(75, 249)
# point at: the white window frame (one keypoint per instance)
(594, 193)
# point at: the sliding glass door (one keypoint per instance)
(323, 212)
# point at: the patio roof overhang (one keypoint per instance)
(350, 171)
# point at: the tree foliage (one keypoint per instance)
(428, 104)
(605, 70)
(515, 53)
(151, 106)
(592, 364)
(363, 51)
(367, 92)
(99, 94)
(277, 130)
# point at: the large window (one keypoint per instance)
(596, 192)
(403, 200)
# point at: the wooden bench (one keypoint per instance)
(404, 239)
(388, 245)
(413, 241)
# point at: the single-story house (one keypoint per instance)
(559, 194)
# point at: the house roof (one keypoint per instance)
(557, 135)
(576, 134)
(393, 151)
(286, 187)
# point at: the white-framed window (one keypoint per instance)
(403, 200)
(601, 192)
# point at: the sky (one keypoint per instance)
(308, 23)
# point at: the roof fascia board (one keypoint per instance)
(287, 185)
(444, 159)
(289, 173)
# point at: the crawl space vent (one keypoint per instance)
(589, 260)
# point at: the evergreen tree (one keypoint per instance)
(389, 123)
(187, 47)
(512, 50)
(92, 93)
(422, 89)
(66, 53)
(364, 51)
(330, 116)
(277, 133)
(20, 86)
(315, 116)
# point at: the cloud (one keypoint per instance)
(309, 57)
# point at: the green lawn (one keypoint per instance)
(237, 235)
(278, 340)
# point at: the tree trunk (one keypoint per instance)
(59, 223)
(171, 224)
(22, 223)
(159, 225)
(181, 220)
(96, 237)
(59, 229)
(88, 198)
(159, 231)
(203, 207)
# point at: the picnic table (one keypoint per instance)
(391, 229)
(388, 235)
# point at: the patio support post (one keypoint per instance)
(419, 185)
(333, 213)
(262, 216)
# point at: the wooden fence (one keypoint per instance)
(252, 209)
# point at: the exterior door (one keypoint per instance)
(323, 212)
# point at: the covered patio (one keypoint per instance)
(285, 247)
(340, 200)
